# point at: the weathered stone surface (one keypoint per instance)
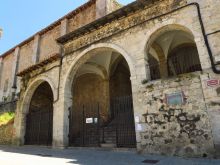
(190, 129)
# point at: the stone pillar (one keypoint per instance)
(104, 7)
(61, 109)
(63, 28)
(1, 87)
(142, 70)
(61, 121)
(101, 8)
(138, 109)
(163, 68)
(107, 95)
(63, 31)
(36, 47)
(20, 123)
(14, 72)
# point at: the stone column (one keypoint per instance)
(61, 109)
(142, 70)
(64, 29)
(20, 122)
(107, 96)
(61, 121)
(36, 47)
(1, 87)
(138, 109)
(14, 72)
(101, 8)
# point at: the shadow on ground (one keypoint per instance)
(87, 156)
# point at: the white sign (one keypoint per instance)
(139, 127)
(137, 119)
(89, 120)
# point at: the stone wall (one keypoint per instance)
(6, 78)
(26, 53)
(175, 129)
(48, 45)
(7, 133)
(8, 107)
(43, 44)
(81, 19)
(160, 128)
(82, 94)
(211, 18)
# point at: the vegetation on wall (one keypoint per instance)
(5, 118)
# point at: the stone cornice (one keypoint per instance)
(52, 26)
(52, 58)
(85, 36)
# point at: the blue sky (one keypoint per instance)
(20, 19)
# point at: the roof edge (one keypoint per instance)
(52, 25)
(123, 11)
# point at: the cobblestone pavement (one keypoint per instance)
(30, 155)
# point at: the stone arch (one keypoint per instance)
(158, 30)
(79, 60)
(23, 108)
(168, 37)
(31, 89)
(84, 55)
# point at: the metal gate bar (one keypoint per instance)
(39, 126)
(87, 129)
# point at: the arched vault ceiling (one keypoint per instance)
(170, 40)
(100, 64)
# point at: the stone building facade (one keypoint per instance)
(162, 53)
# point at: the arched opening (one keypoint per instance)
(102, 111)
(183, 59)
(39, 119)
(172, 52)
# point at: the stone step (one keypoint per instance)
(108, 145)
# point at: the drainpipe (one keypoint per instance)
(60, 69)
(215, 70)
(205, 36)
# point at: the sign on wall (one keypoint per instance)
(89, 120)
(176, 98)
(212, 83)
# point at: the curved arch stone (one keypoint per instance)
(83, 56)
(66, 94)
(161, 29)
(23, 106)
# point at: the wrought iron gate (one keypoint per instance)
(88, 129)
(123, 115)
(85, 126)
(39, 125)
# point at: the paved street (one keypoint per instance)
(44, 156)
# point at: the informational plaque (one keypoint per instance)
(89, 120)
(176, 98)
(212, 83)
(139, 127)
